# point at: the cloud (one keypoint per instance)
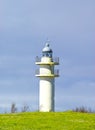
(79, 71)
(20, 100)
(76, 95)
(24, 28)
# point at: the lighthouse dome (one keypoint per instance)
(47, 48)
(47, 51)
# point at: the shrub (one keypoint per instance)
(82, 109)
(13, 108)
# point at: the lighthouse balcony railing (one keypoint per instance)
(53, 60)
(54, 74)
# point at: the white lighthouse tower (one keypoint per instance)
(47, 75)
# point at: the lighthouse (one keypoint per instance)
(46, 74)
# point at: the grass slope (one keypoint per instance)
(47, 121)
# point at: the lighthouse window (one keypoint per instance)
(47, 54)
(50, 54)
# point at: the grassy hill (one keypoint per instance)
(47, 121)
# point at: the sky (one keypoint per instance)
(25, 26)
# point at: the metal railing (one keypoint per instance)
(56, 72)
(55, 59)
(38, 59)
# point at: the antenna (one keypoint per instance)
(47, 42)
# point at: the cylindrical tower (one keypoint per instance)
(47, 75)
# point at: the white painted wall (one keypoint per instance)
(46, 94)
(46, 90)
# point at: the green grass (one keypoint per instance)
(47, 121)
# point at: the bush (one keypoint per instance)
(13, 108)
(82, 109)
(25, 108)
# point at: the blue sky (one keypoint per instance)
(25, 26)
